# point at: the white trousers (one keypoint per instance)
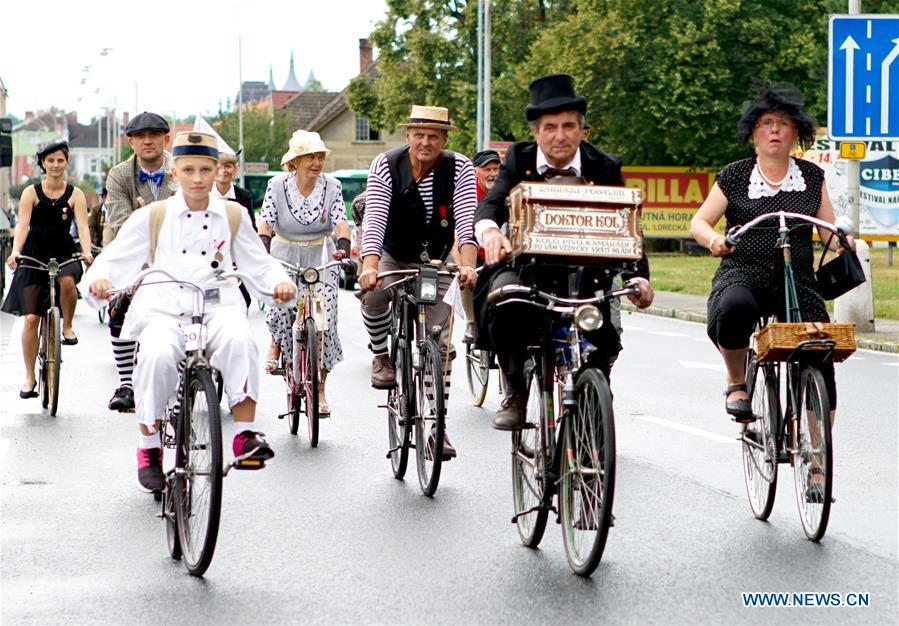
(161, 347)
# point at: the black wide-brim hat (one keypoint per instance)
(552, 94)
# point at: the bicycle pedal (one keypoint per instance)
(249, 464)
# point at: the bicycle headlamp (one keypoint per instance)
(310, 275)
(587, 317)
(426, 285)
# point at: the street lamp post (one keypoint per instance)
(240, 154)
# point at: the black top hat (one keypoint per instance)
(146, 121)
(552, 94)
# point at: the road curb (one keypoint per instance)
(878, 345)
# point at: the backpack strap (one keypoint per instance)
(235, 214)
(157, 217)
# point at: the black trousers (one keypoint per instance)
(510, 329)
(738, 311)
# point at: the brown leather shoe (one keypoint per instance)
(449, 450)
(511, 413)
(383, 376)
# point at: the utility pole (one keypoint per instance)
(240, 154)
(479, 139)
(488, 36)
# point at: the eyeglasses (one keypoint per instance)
(770, 122)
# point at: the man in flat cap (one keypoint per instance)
(419, 200)
(486, 168)
(143, 177)
(558, 152)
(193, 235)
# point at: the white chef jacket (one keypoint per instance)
(187, 246)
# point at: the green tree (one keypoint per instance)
(265, 134)
(665, 80)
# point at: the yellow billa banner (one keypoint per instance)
(671, 196)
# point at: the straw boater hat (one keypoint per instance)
(303, 142)
(429, 117)
(193, 143)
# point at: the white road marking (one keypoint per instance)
(666, 333)
(696, 365)
(629, 327)
(705, 434)
(893, 363)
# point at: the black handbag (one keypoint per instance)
(838, 275)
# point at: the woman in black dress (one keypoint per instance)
(46, 211)
(770, 181)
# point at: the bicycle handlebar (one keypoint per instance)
(554, 302)
(40, 265)
(449, 270)
(734, 235)
(139, 278)
(348, 266)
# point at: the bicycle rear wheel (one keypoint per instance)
(198, 472)
(310, 379)
(758, 438)
(529, 461)
(587, 485)
(399, 402)
(477, 372)
(429, 417)
(812, 453)
(50, 364)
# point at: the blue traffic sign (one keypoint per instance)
(863, 77)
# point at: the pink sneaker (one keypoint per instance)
(149, 470)
(252, 442)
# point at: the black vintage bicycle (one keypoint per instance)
(192, 499)
(49, 352)
(416, 415)
(567, 445)
(794, 427)
(302, 374)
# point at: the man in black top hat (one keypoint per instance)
(556, 119)
(140, 179)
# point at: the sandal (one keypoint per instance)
(740, 410)
(271, 366)
(324, 411)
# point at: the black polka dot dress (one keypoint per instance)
(751, 263)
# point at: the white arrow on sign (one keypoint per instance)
(885, 88)
(850, 47)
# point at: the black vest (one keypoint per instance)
(409, 235)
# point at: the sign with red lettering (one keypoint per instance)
(671, 196)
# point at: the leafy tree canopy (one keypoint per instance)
(265, 134)
(664, 80)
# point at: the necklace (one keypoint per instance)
(772, 183)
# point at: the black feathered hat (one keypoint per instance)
(783, 97)
(552, 94)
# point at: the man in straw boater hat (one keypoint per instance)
(142, 178)
(558, 152)
(419, 199)
(193, 235)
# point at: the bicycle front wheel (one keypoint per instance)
(198, 472)
(812, 453)
(529, 462)
(294, 401)
(399, 402)
(587, 486)
(50, 364)
(310, 378)
(429, 417)
(477, 371)
(758, 438)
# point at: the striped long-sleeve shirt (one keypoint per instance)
(379, 190)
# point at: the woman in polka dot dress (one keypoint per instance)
(746, 283)
(300, 211)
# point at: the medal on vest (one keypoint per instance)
(218, 255)
(424, 256)
(443, 221)
(65, 214)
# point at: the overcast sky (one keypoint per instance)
(182, 55)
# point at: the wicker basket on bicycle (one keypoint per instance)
(575, 224)
(776, 341)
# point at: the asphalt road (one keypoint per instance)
(327, 535)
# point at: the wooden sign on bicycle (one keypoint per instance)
(583, 224)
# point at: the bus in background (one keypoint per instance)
(352, 183)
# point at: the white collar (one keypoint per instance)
(162, 168)
(228, 195)
(794, 181)
(179, 204)
(574, 164)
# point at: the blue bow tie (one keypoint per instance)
(143, 177)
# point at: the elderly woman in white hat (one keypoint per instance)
(300, 211)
